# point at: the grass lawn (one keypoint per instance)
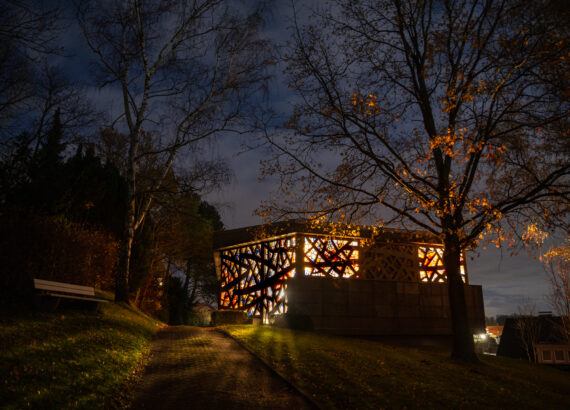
(359, 374)
(71, 359)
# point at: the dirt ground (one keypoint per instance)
(199, 368)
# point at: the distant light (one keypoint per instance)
(482, 336)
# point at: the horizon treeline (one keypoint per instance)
(61, 219)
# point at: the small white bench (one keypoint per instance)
(60, 290)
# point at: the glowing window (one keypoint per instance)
(431, 265)
(253, 277)
(336, 258)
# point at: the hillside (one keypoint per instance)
(71, 359)
(342, 372)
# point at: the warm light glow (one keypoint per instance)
(253, 277)
(431, 265)
(331, 257)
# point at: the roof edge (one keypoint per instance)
(257, 233)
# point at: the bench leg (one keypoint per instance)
(46, 303)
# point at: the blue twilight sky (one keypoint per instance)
(507, 281)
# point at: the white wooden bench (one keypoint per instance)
(59, 290)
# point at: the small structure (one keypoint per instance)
(340, 279)
(495, 332)
(536, 338)
(202, 314)
(558, 354)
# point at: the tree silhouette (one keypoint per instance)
(431, 114)
(184, 70)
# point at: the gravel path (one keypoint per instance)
(196, 368)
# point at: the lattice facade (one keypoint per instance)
(431, 264)
(253, 276)
(390, 261)
(336, 258)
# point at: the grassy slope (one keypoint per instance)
(71, 359)
(354, 373)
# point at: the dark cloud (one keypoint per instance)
(509, 281)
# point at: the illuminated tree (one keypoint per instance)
(434, 114)
(182, 70)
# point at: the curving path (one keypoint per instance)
(197, 368)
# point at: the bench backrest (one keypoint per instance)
(49, 285)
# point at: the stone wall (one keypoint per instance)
(378, 308)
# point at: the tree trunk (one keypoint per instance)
(166, 286)
(122, 282)
(143, 290)
(463, 346)
(187, 285)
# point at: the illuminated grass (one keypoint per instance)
(354, 373)
(71, 359)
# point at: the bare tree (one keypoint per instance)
(27, 34)
(54, 91)
(431, 114)
(557, 268)
(183, 70)
(528, 326)
(32, 89)
(51, 92)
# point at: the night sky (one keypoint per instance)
(507, 281)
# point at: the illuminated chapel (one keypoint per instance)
(351, 280)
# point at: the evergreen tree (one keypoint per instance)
(45, 191)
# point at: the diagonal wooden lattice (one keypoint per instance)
(253, 276)
(337, 258)
(390, 261)
(431, 265)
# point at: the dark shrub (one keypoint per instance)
(53, 249)
(229, 317)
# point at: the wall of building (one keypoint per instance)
(378, 308)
